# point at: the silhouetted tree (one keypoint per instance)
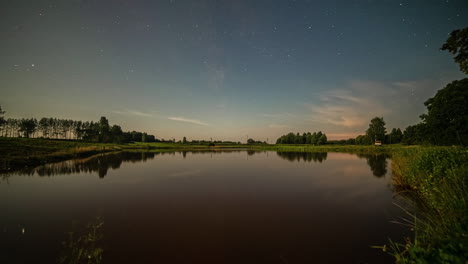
(70, 129)
(457, 44)
(363, 140)
(27, 127)
(2, 121)
(395, 136)
(317, 138)
(447, 116)
(322, 140)
(415, 134)
(376, 130)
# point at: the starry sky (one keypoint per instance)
(227, 70)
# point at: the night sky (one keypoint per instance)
(226, 69)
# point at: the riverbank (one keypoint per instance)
(435, 182)
(18, 153)
(433, 179)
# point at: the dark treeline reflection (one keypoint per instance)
(377, 163)
(99, 163)
(103, 162)
(305, 156)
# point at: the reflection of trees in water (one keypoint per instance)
(305, 156)
(102, 163)
(99, 163)
(250, 152)
(377, 163)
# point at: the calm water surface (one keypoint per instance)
(205, 207)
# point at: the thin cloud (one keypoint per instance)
(352, 107)
(187, 120)
(277, 126)
(284, 115)
(132, 112)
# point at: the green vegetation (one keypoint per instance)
(358, 149)
(457, 44)
(83, 246)
(317, 138)
(20, 153)
(435, 181)
(53, 128)
(23, 152)
(376, 130)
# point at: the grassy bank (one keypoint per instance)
(19, 153)
(435, 180)
(358, 149)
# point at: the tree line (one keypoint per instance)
(54, 128)
(446, 120)
(316, 138)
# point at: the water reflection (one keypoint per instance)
(212, 207)
(101, 163)
(305, 156)
(377, 163)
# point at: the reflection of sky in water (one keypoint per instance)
(210, 207)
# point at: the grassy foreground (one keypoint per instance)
(435, 180)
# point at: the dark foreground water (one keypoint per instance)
(204, 207)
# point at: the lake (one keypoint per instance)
(232, 206)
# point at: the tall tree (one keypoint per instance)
(322, 140)
(415, 134)
(2, 121)
(27, 127)
(457, 44)
(376, 130)
(104, 130)
(447, 116)
(363, 140)
(395, 136)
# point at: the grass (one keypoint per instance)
(358, 149)
(435, 181)
(19, 153)
(83, 246)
